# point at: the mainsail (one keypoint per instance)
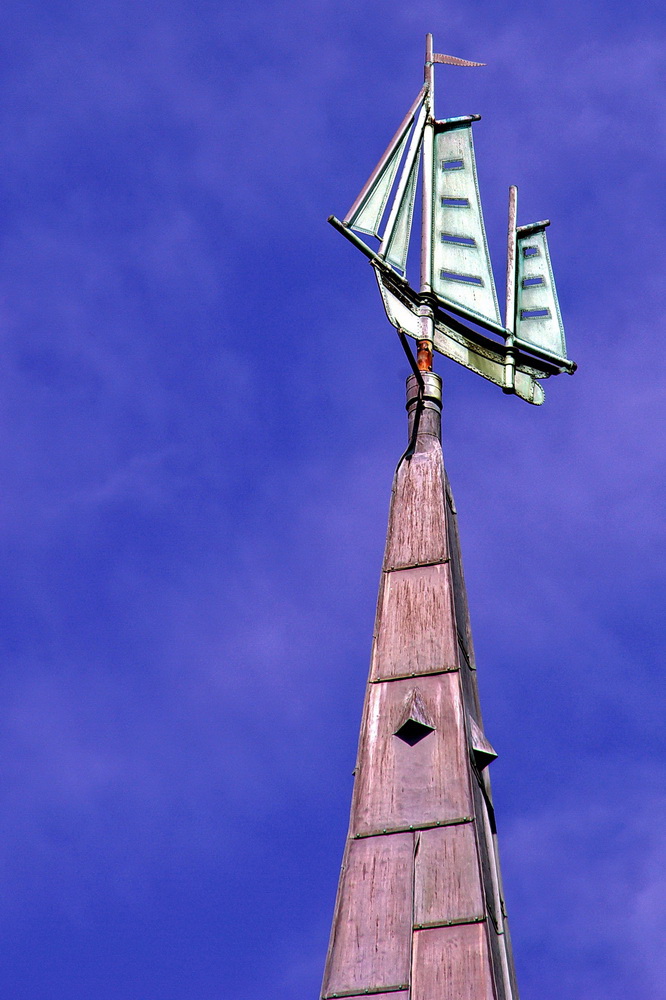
(461, 270)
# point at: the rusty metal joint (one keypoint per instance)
(410, 357)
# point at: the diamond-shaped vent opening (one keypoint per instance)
(483, 751)
(415, 723)
(412, 732)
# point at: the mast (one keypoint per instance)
(510, 314)
(426, 316)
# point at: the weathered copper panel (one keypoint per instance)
(417, 526)
(508, 951)
(458, 579)
(470, 689)
(500, 963)
(371, 940)
(416, 630)
(447, 882)
(486, 853)
(451, 963)
(397, 785)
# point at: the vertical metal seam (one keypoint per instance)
(412, 932)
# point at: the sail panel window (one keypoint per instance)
(453, 164)
(459, 241)
(534, 313)
(530, 251)
(466, 279)
(455, 202)
(533, 281)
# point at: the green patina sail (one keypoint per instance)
(462, 274)
(538, 323)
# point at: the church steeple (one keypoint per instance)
(420, 913)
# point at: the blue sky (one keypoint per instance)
(202, 407)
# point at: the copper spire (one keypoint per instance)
(419, 913)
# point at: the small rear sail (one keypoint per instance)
(366, 213)
(462, 272)
(538, 322)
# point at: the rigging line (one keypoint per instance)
(411, 447)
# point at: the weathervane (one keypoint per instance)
(456, 283)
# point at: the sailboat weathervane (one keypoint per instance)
(456, 283)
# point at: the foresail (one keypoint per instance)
(538, 322)
(395, 242)
(368, 216)
(366, 213)
(462, 272)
